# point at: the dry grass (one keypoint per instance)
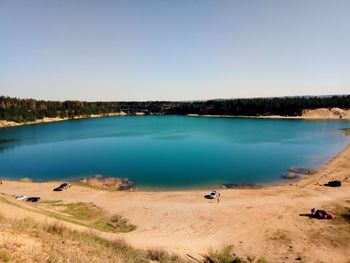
(160, 255)
(57, 243)
(80, 213)
(86, 214)
(4, 255)
(226, 255)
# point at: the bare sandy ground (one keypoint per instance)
(257, 222)
(4, 123)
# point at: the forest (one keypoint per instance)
(24, 110)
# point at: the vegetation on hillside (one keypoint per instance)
(80, 213)
(29, 240)
(226, 255)
(22, 110)
(26, 240)
(86, 214)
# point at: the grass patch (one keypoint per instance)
(115, 224)
(262, 260)
(226, 255)
(61, 244)
(55, 242)
(89, 215)
(4, 200)
(80, 213)
(78, 210)
(4, 255)
(160, 255)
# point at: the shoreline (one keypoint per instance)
(8, 124)
(184, 222)
(282, 182)
(316, 114)
(273, 117)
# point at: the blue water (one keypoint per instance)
(169, 151)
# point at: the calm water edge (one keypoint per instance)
(169, 151)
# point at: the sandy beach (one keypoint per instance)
(262, 222)
(4, 124)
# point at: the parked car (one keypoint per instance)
(335, 183)
(321, 214)
(21, 197)
(62, 187)
(214, 194)
(33, 199)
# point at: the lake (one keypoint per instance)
(169, 151)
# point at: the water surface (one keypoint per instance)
(169, 151)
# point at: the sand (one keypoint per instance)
(333, 113)
(257, 222)
(4, 123)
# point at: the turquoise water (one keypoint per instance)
(169, 151)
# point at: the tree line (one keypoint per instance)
(22, 110)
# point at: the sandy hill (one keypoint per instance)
(324, 113)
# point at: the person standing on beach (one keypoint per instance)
(218, 198)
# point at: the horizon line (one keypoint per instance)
(189, 100)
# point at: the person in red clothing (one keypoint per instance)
(321, 214)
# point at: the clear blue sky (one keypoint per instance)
(173, 49)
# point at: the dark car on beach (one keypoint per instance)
(33, 199)
(62, 187)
